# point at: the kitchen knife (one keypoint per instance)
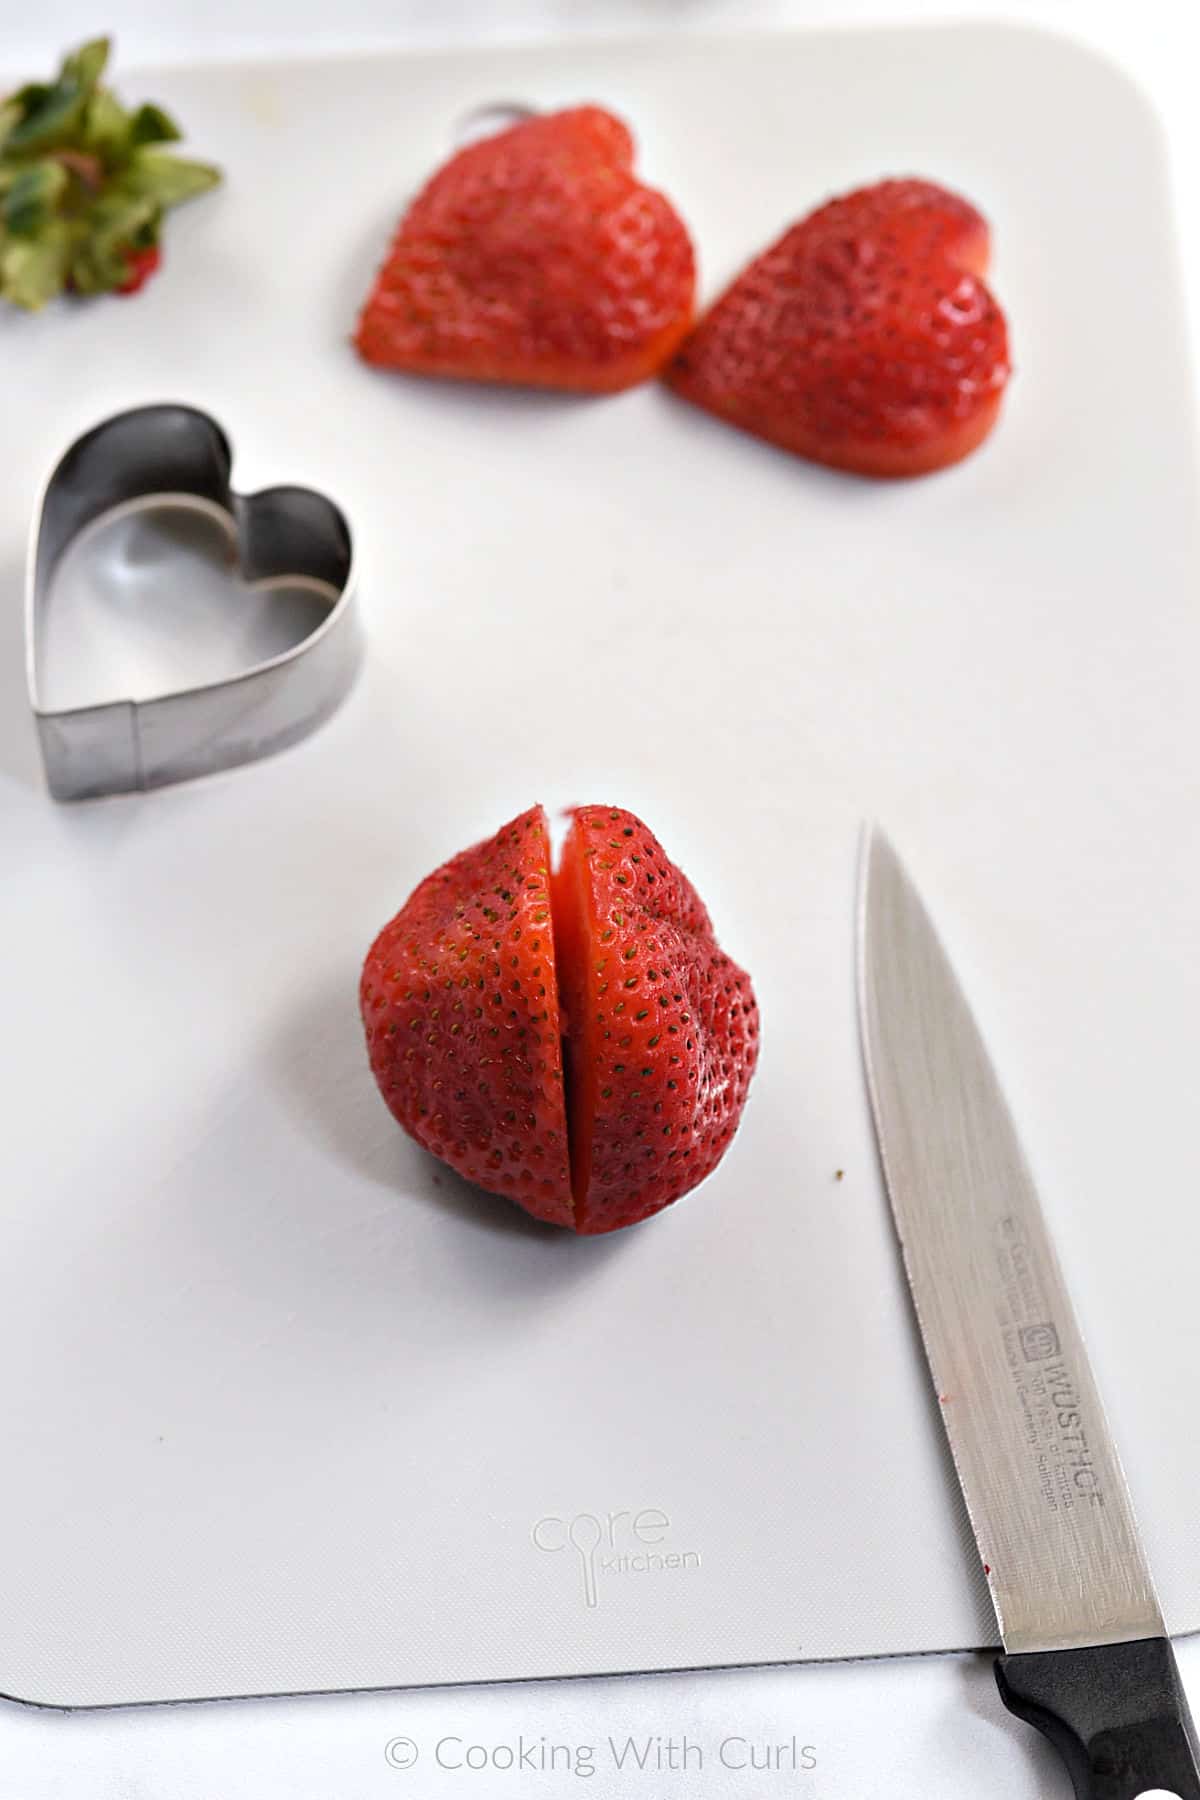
(1086, 1657)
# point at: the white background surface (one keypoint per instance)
(927, 1727)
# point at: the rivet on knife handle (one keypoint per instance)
(1088, 1662)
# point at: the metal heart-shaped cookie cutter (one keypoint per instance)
(176, 454)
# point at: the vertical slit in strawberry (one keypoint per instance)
(573, 954)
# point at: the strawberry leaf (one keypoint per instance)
(167, 180)
(151, 125)
(26, 101)
(108, 129)
(11, 114)
(30, 202)
(51, 115)
(33, 270)
(51, 121)
(96, 269)
(84, 182)
(117, 219)
(86, 65)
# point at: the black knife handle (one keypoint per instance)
(1116, 1714)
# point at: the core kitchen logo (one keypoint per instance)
(598, 1545)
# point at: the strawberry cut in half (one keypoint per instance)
(866, 338)
(537, 257)
(576, 1040)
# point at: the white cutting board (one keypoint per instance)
(286, 1406)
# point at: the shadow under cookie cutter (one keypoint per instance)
(176, 454)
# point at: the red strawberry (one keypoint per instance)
(865, 338)
(460, 1004)
(140, 265)
(663, 1027)
(469, 993)
(538, 257)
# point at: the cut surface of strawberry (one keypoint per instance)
(535, 256)
(577, 1041)
(865, 338)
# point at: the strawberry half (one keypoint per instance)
(536, 256)
(865, 338)
(662, 1025)
(460, 1003)
(577, 1041)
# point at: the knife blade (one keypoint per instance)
(1086, 1657)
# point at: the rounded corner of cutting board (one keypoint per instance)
(1081, 60)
